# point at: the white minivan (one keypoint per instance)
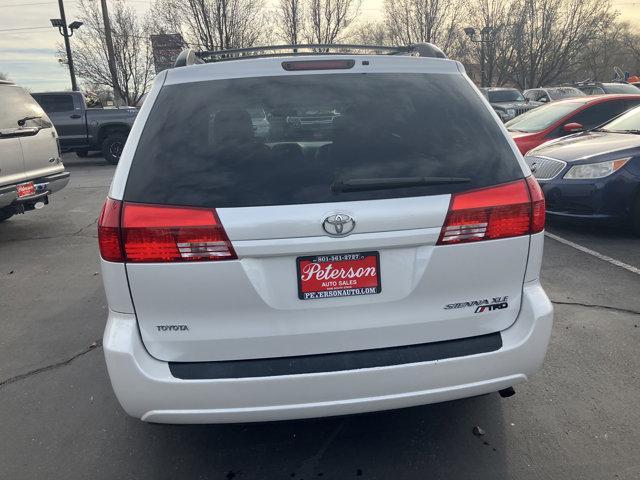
(376, 245)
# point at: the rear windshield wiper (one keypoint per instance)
(22, 121)
(363, 184)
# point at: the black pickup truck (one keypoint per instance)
(83, 129)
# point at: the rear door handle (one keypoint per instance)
(75, 115)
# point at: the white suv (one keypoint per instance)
(30, 165)
(382, 255)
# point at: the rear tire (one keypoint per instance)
(5, 214)
(82, 153)
(112, 147)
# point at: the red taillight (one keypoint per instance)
(507, 210)
(109, 231)
(538, 207)
(153, 233)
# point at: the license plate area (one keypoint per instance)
(26, 189)
(338, 275)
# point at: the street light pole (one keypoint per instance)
(67, 44)
(111, 57)
(486, 36)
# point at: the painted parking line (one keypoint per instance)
(593, 253)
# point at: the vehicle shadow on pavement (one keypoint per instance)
(433, 441)
(596, 231)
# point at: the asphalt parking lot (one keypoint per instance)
(578, 418)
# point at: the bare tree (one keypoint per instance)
(290, 20)
(434, 21)
(604, 52)
(132, 51)
(371, 33)
(328, 19)
(631, 44)
(548, 37)
(212, 24)
(493, 15)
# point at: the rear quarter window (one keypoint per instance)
(288, 139)
(52, 103)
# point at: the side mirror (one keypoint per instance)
(573, 127)
(543, 100)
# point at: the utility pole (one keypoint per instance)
(111, 57)
(61, 23)
(482, 74)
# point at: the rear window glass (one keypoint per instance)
(16, 104)
(565, 92)
(288, 139)
(504, 96)
(621, 88)
(55, 103)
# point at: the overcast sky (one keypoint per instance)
(28, 42)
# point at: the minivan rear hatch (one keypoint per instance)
(321, 220)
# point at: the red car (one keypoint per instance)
(565, 117)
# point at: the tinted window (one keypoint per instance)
(17, 104)
(564, 92)
(503, 96)
(202, 146)
(593, 90)
(595, 115)
(531, 94)
(55, 103)
(621, 88)
(540, 118)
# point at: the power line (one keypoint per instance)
(25, 4)
(22, 28)
(53, 3)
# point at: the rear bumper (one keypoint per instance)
(146, 388)
(44, 186)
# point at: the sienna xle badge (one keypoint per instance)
(295, 236)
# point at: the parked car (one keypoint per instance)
(30, 165)
(565, 117)
(83, 129)
(508, 102)
(599, 88)
(551, 94)
(380, 267)
(593, 175)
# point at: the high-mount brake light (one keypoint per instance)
(507, 210)
(158, 233)
(298, 65)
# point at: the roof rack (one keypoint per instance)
(191, 57)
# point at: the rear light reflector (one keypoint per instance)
(318, 65)
(154, 233)
(109, 238)
(538, 206)
(503, 211)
